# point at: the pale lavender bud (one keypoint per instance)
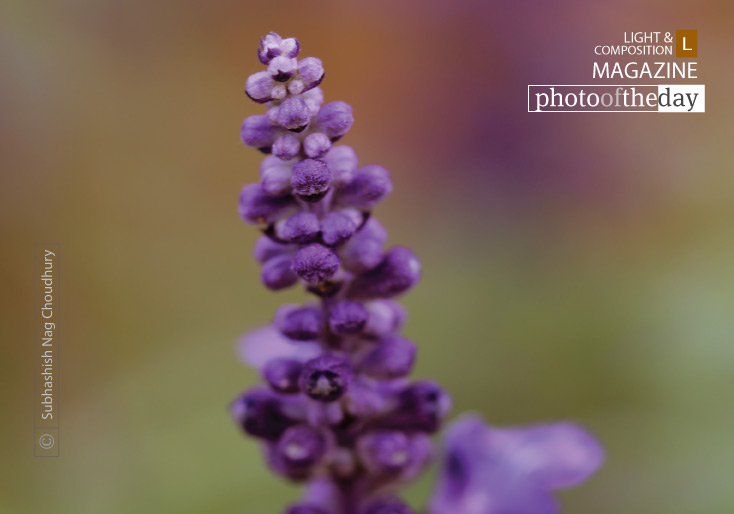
(347, 318)
(336, 228)
(275, 175)
(311, 72)
(342, 162)
(335, 119)
(370, 186)
(313, 98)
(277, 273)
(282, 68)
(303, 227)
(294, 114)
(315, 263)
(310, 179)
(273, 45)
(259, 87)
(257, 206)
(258, 132)
(385, 317)
(266, 248)
(391, 358)
(286, 147)
(398, 272)
(316, 145)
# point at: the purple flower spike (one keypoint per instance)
(283, 374)
(258, 132)
(277, 273)
(493, 471)
(300, 323)
(262, 414)
(337, 227)
(390, 506)
(286, 147)
(259, 87)
(310, 179)
(335, 119)
(326, 378)
(294, 114)
(257, 206)
(310, 72)
(392, 358)
(315, 263)
(275, 175)
(316, 145)
(303, 227)
(347, 318)
(305, 508)
(342, 162)
(298, 451)
(370, 186)
(398, 272)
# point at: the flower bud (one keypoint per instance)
(326, 378)
(385, 317)
(303, 227)
(258, 132)
(266, 248)
(281, 68)
(257, 206)
(316, 145)
(283, 374)
(259, 87)
(286, 147)
(342, 162)
(363, 251)
(300, 323)
(347, 318)
(391, 358)
(421, 406)
(277, 273)
(370, 186)
(310, 179)
(275, 175)
(293, 114)
(273, 45)
(310, 72)
(262, 414)
(298, 451)
(384, 452)
(335, 119)
(315, 263)
(336, 228)
(398, 272)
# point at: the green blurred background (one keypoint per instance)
(575, 266)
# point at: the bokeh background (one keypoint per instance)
(576, 266)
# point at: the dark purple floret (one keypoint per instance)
(371, 184)
(347, 318)
(384, 451)
(391, 358)
(389, 506)
(283, 374)
(277, 273)
(398, 272)
(315, 263)
(335, 119)
(310, 179)
(298, 451)
(286, 147)
(258, 132)
(326, 378)
(294, 114)
(300, 228)
(305, 508)
(257, 206)
(261, 414)
(421, 406)
(300, 323)
(336, 228)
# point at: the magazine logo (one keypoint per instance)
(675, 64)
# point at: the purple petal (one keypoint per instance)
(258, 347)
